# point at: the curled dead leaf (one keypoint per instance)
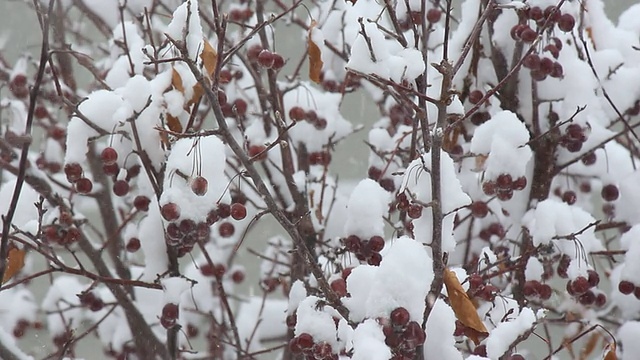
(315, 55)
(209, 57)
(464, 308)
(15, 262)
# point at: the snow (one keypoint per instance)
(317, 321)
(440, 327)
(365, 210)
(507, 332)
(534, 269)
(402, 280)
(173, 288)
(9, 343)
(191, 33)
(628, 335)
(368, 342)
(152, 243)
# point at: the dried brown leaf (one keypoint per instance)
(209, 57)
(15, 262)
(610, 352)
(589, 346)
(464, 308)
(174, 124)
(315, 56)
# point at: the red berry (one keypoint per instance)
(278, 62)
(375, 259)
(226, 229)
(224, 210)
(589, 158)
(109, 156)
(238, 276)
(504, 181)
(199, 185)
(536, 13)
(257, 152)
(400, 317)
(516, 31)
(19, 80)
(588, 298)
(475, 96)
(434, 15)
(322, 350)
(141, 203)
(569, 197)
(544, 291)
(479, 209)
(414, 211)
(580, 285)
(40, 112)
(530, 288)
(291, 320)
(111, 170)
(594, 278)
(133, 245)
(84, 185)
(626, 287)
(121, 188)
(566, 22)
(240, 107)
(266, 59)
(610, 192)
(170, 211)
(546, 66)
(339, 286)
(531, 61)
(305, 341)
(238, 211)
(489, 188)
(374, 173)
(528, 35)
(480, 350)
(346, 272)
(170, 311)
(601, 300)
(73, 172)
(253, 52)
(551, 48)
(297, 113)
(376, 243)
(557, 71)
(475, 281)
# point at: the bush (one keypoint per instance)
(501, 184)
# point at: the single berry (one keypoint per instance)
(475, 96)
(339, 286)
(199, 185)
(238, 276)
(594, 278)
(257, 152)
(253, 52)
(278, 62)
(610, 192)
(109, 156)
(297, 113)
(528, 35)
(479, 209)
(589, 158)
(531, 61)
(133, 245)
(238, 211)
(400, 317)
(536, 13)
(226, 229)
(566, 22)
(84, 185)
(489, 188)
(73, 171)
(141, 203)
(569, 197)
(376, 243)
(121, 188)
(266, 59)
(170, 211)
(305, 341)
(434, 15)
(504, 181)
(240, 107)
(519, 183)
(626, 287)
(375, 259)
(414, 211)
(580, 285)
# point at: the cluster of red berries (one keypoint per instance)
(226, 75)
(413, 210)
(494, 229)
(91, 301)
(480, 117)
(237, 109)
(265, 58)
(304, 344)
(297, 113)
(583, 290)
(402, 335)
(386, 183)
(350, 83)
(478, 288)
(433, 16)
(523, 32)
(169, 317)
(365, 250)
(573, 138)
(62, 233)
(627, 287)
(504, 186)
(541, 67)
(536, 289)
(240, 15)
(18, 86)
(400, 115)
(322, 158)
(22, 325)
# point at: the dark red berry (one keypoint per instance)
(569, 197)
(610, 192)
(339, 286)
(278, 62)
(626, 287)
(376, 243)
(479, 209)
(170, 211)
(475, 96)
(504, 181)
(353, 243)
(594, 278)
(489, 188)
(257, 152)
(589, 158)
(580, 285)
(528, 35)
(238, 211)
(400, 317)
(121, 188)
(141, 203)
(238, 276)
(226, 229)
(414, 211)
(297, 113)
(109, 156)
(566, 22)
(266, 59)
(199, 185)
(133, 245)
(434, 15)
(305, 341)
(375, 259)
(531, 61)
(84, 185)
(73, 171)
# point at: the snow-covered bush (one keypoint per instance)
(499, 203)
